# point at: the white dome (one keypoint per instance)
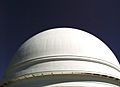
(64, 41)
(64, 49)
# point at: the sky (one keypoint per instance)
(21, 19)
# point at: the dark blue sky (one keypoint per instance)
(19, 20)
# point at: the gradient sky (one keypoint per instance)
(21, 19)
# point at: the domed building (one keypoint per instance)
(63, 57)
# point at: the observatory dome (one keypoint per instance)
(63, 50)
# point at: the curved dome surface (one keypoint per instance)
(64, 41)
(83, 52)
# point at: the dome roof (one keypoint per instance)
(63, 43)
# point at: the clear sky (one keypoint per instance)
(21, 19)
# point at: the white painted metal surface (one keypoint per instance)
(64, 50)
